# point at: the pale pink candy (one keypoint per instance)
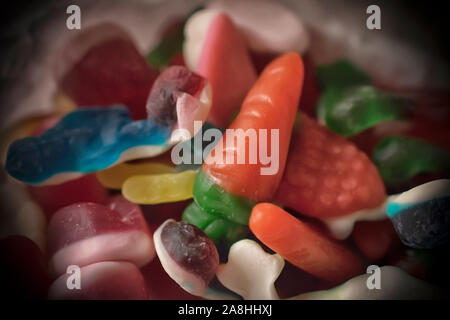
(191, 109)
(86, 233)
(101, 281)
(268, 26)
(215, 49)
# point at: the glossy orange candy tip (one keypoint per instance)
(304, 246)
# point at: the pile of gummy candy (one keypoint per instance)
(363, 176)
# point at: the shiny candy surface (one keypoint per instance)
(215, 49)
(218, 229)
(110, 72)
(250, 271)
(352, 110)
(218, 202)
(115, 177)
(303, 245)
(270, 105)
(400, 158)
(87, 233)
(326, 175)
(160, 188)
(187, 255)
(421, 216)
(84, 141)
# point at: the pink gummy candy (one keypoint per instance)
(226, 63)
(86, 233)
(102, 281)
(112, 72)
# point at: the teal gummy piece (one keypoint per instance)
(348, 111)
(170, 45)
(84, 141)
(341, 74)
(393, 208)
(399, 159)
(217, 229)
(219, 202)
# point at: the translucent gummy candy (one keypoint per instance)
(216, 228)
(400, 158)
(187, 255)
(220, 203)
(84, 141)
(160, 188)
(351, 110)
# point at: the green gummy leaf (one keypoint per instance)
(348, 111)
(399, 159)
(218, 230)
(167, 48)
(196, 216)
(341, 74)
(170, 45)
(218, 202)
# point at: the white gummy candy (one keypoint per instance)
(250, 271)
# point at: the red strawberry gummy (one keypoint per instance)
(326, 175)
(112, 72)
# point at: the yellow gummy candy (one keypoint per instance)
(160, 188)
(114, 177)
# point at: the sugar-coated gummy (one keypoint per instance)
(191, 249)
(424, 225)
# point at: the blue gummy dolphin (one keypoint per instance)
(421, 216)
(84, 141)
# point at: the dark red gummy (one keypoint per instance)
(191, 249)
(161, 105)
(113, 72)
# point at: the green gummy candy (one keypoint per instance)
(215, 228)
(170, 45)
(167, 48)
(220, 203)
(225, 231)
(399, 159)
(196, 216)
(348, 111)
(341, 74)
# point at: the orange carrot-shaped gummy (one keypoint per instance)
(270, 104)
(303, 245)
